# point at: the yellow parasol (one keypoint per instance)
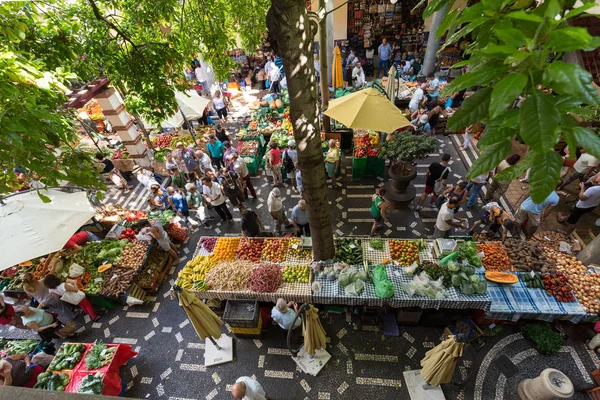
(367, 109)
(205, 321)
(313, 332)
(439, 363)
(337, 75)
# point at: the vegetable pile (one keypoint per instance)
(99, 355)
(155, 264)
(436, 271)
(117, 280)
(527, 256)
(377, 244)
(164, 216)
(266, 278)
(208, 243)
(495, 257)
(128, 234)
(226, 249)
(229, 275)
(558, 286)
(67, 356)
(52, 382)
(352, 280)
(101, 252)
(133, 256)
(135, 216)
(533, 282)
(21, 346)
(275, 250)
(348, 251)
(465, 279)
(296, 273)
(176, 232)
(163, 141)
(250, 250)
(550, 240)
(404, 251)
(295, 250)
(91, 384)
(468, 252)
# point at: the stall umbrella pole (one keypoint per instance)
(190, 127)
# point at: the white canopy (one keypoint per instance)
(30, 228)
(192, 105)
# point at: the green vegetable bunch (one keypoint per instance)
(99, 355)
(164, 216)
(547, 341)
(67, 356)
(435, 271)
(52, 382)
(465, 279)
(348, 251)
(91, 384)
(376, 244)
(21, 346)
(468, 251)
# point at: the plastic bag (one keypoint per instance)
(346, 276)
(422, 278)
(437, 285)
(384, 289)
(76, 270)
(450, 257)
(355, 288)
(408, 289)
(411, 269)
(379, 274)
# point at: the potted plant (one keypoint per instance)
(402, 149)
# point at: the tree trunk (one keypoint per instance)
(288, 21)
(323, 67)
(433, 43)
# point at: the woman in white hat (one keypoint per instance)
(144, 177)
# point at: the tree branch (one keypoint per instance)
(99, 17)
(340, 6)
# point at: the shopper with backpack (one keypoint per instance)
(290, 158)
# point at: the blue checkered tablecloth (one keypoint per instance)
(332, 293)
(516, 301)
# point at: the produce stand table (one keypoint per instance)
(298, 292)
(332, 293)
(516, 301)
(111, 379)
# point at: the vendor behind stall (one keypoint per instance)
(43, 323)
(284, 315)
(78, 239)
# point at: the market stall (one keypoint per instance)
(365, 155)
(444, 273)
(87, 368)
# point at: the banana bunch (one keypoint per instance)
(200, 286)
(287, 125)
(195, 270)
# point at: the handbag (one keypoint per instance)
(73, 297)
(439, 187)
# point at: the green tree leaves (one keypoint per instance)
(505, 92)
(588, 140)
(545, 172)
(573, 80)
(473, 109)
(490, 157)
(538, 120)
(572, 39)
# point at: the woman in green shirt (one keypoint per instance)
(378, 208)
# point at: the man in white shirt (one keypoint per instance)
(358, 75)
(588, 200)
(144, 176)
(274, 76)
(213, 195)
(417, 98)
(246, 388)
(445, 219)
(205, 162)
(583, 167)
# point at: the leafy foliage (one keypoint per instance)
(143, 47)
(546, 340)
(407, 147)
(516, 51)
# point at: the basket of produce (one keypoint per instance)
(52, 382)
(494, 256)
(404, 252)
(275, 250)
(296, 253)
(99, 356)
(528, 256)
(229, 276)
(348, 251)
(207, 244)
(226, 249)
(266, 278)
(250, 250)
(86, 383)
(67, 357)
(176, 232)
(116, 281)
(193, 275)
(135, 254)
(296, 273)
